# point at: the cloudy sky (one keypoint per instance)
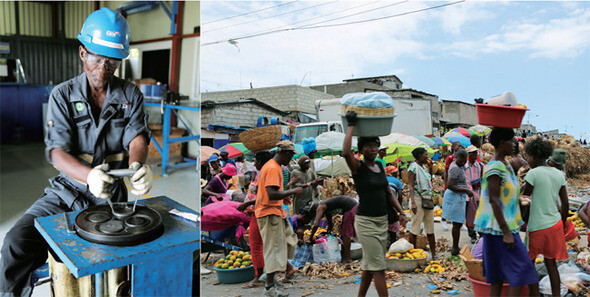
(540, 51)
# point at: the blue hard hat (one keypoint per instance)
(105, 32)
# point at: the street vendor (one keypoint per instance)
(304, 177)
(557, 159)
(327, 208)
(300, 222)
(375, 197)
(218, 184)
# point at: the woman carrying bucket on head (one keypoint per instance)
(505, 258)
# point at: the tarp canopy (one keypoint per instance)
(331, 142)
(402, 139)
(426, 140)
(335, 167)
(403, 151)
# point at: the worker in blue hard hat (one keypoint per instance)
(95, 122)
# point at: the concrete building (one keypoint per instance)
(389, 84)
(295, 100)
(457, 114)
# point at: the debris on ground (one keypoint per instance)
(442, 245)
(330, 270)
(442, 283)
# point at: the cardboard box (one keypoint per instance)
(474, 266)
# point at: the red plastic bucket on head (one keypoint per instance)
(481, 289)
(500, 116)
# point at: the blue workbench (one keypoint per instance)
(162, 267)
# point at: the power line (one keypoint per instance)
(334, 25)
(386, 17)
(303, 21)
(358, 13)
(247, 13)
(268, 17)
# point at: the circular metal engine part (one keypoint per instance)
(99, 225)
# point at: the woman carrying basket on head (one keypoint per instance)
(375, 197)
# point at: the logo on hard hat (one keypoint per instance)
(112, 34)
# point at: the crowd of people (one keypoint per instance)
(486, 200)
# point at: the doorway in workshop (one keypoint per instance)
(156, 64)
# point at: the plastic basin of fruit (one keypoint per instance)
(369, 126)
(483, 289)
(408, 265)
(500, 116)
(234, 276)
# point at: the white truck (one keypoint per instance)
(413, 117)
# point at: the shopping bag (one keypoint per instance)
(326, 250)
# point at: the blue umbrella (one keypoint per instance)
(465, 142)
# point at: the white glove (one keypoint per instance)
(99, 181)
(142, 179)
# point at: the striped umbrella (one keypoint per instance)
(234, 149)
(463, 132)
(441, 141)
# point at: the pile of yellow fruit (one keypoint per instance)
(575, 219)
(434, 267)
(234, 260)
(411, 254)
(438, 212)
(318, 232)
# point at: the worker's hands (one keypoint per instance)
(142, 179)
(414, 207)
(351, 117)
(99, 181)
(403, 220)
(242, 207)
(298, 191)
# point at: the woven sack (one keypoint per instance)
(263, 138)
(363, 111)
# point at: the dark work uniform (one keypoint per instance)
(72, 127)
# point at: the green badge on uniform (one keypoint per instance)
(79, 106)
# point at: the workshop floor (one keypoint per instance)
(24, 172)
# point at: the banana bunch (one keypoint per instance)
(434, 267)
(575, 219)
(409, 255)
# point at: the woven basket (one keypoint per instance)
(263, 138)
(363, 111)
